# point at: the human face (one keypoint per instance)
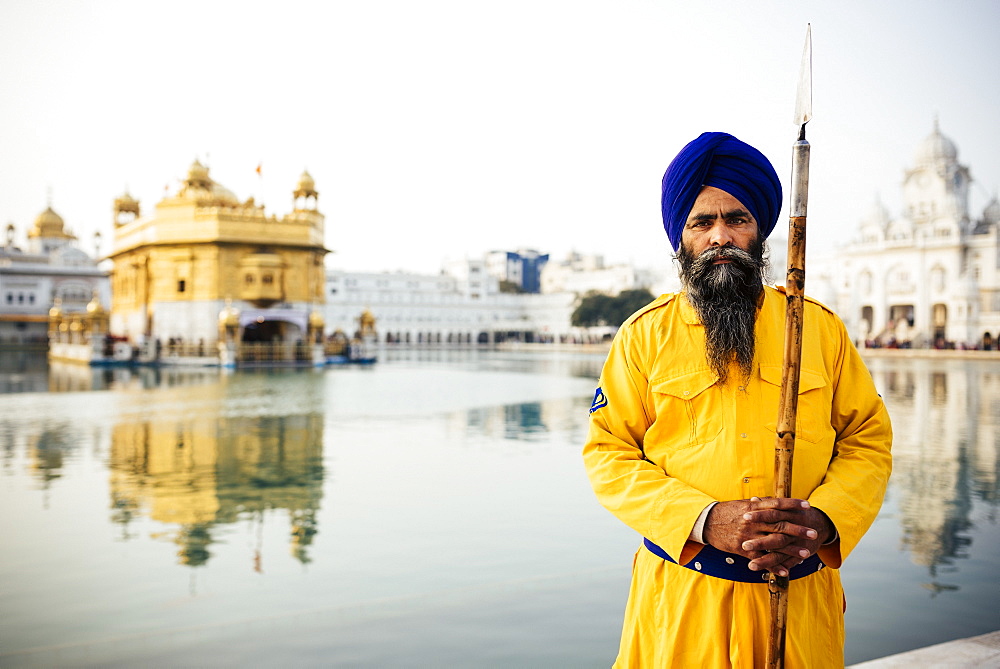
(717, 219)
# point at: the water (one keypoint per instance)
(431, 510)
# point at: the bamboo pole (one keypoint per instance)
(784, 447)
(788, 403)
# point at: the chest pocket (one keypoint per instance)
(691, 405)
(812, 422)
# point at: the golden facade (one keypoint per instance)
(175, 270)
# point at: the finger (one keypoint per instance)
(790, 552)
(773, 543)
(774, 563)
(770, 515)
(781, 503)
(793, 530)
(780, 522)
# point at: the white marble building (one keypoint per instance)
(579, 273)
(50, 269)
(463, 307)
(927, 276)
(464, 304)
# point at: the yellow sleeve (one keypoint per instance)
(852, 491)
(638, 492)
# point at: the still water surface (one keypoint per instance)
(431, 510)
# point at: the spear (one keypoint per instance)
(795, 282)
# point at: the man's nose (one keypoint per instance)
(720, 235)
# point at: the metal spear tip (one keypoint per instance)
(803, 97)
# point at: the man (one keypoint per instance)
(682, 435)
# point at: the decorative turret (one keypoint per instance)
(305, 195)
(94, 307)
(229, 321)
(316, 324)
(9, 239)
(126, 209)
(367, 322)
(97, 315)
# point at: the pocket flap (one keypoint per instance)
(686, 386)
(807, 380)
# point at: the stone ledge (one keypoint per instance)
(978, 651)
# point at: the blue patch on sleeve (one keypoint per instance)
(599, 401)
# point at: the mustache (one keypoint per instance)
(712, 255)
(743, 273)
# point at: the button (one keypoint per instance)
(821, 565)
(687, 392)
(741, 387)
(730, 560)
(743, 435)
(697, 565)
(746, 480)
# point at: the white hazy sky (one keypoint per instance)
(442, 129)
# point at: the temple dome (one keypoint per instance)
(201, 187)
(49, 224)
(49, 218)
(877, 214)
(936, 148)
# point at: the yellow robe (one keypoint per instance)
(666, 439)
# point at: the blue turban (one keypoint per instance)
(720, 160)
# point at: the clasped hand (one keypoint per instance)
(774, 533)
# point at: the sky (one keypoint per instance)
(438, 130)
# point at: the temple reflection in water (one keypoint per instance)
(207, 471)
(197, 473)
(946, 452)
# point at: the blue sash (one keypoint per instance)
(732, 567)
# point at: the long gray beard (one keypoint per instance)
(725, 298)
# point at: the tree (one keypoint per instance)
(592, 310)
(600, 309)
(628, 302)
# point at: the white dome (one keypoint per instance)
(877, 214)
(936, 148)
